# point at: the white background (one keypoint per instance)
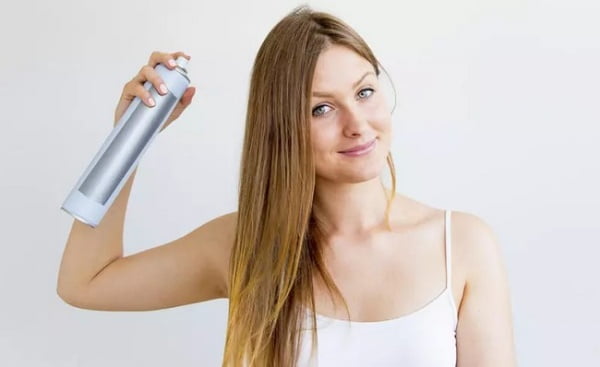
(497, 115)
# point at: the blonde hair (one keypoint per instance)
(276, 251)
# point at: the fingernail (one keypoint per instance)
(151, 101)
(171, 62)
(163, 88)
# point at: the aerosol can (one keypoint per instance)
(105, 176)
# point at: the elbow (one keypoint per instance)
(69, 297)
(64, 296)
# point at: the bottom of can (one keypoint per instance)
(81, 219)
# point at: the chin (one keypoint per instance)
(353, 170)
(357, 174)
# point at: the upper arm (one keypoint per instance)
(189, 269)
(484, 331)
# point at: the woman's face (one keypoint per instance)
(348, 109)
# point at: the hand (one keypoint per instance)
(135, 87)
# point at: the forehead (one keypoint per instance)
(339, 66)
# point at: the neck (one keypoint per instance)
(350, 208)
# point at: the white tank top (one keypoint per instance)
(423, 338)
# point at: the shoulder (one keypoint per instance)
(480, 254)
(476, 251)
(471, 225)
(228, 220)
(468, 229)
(484, 332)
(476, 241)
(222, 230)
(224, 227)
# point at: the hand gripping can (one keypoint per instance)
(103, 179)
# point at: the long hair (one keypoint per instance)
(276, 253)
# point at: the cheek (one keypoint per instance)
(384, 123)
(381, 121)
(379, 114)
(323, 137)
(318, 147)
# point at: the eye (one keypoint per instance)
(318, 111)
(362, 93)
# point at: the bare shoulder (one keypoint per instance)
(475, 240)
(476, 251)
(224, 227)
(480, 253)
(484, 332)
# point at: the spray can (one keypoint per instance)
(103, 179)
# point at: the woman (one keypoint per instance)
(315, 229)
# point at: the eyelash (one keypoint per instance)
(362, 90)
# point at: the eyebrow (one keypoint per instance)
(354, 85)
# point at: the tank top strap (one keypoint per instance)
(448, 245)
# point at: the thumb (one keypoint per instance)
(187, 96)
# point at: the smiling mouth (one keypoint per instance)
(359, 148)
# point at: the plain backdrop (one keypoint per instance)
(497, 116)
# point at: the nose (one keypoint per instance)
(355, 123)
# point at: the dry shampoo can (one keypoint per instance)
(107, 173)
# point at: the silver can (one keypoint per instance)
(105, 176)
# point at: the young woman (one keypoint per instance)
(318, 247)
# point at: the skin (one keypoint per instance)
(410, 259)
(383, 274)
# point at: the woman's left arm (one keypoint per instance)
(484, 335)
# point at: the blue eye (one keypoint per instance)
(366, 89)
(316, 110)
(320, 110)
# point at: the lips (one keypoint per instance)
(358, 147)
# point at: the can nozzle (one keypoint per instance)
(181, 62)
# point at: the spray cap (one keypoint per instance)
(181, 62)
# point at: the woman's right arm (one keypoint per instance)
(93, 272)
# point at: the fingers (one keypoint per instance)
(168, 59)
(135, 88)
(148, 73)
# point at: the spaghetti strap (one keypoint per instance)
(448, 241)
(397, 341)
